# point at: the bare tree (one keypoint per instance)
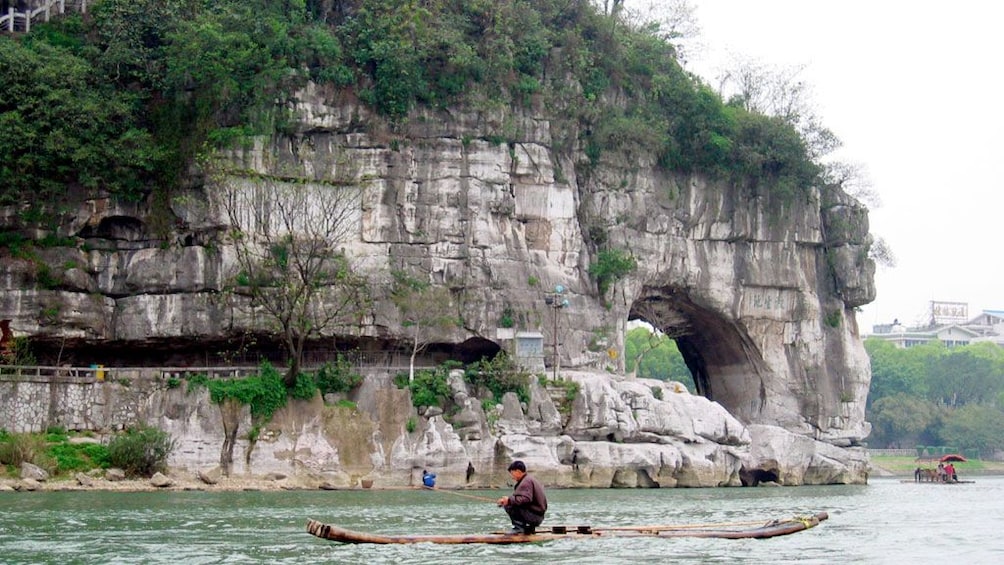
(611, 7)
(426, 311)
(881, 253)
(779, 92)
(853, 179)
(673, 21)
(287, 239)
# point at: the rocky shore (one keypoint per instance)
(173, 482)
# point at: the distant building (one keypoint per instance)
(948, 324)
(943, 313)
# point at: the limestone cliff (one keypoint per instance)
(758, 293)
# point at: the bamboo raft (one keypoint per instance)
(734, 530)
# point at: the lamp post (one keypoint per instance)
(556, 300)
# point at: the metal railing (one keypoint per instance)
(15, 20)
(98, 373)
(368, 362)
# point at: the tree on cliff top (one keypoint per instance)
(169, 80)
(288, 259)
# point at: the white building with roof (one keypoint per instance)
(987, 326)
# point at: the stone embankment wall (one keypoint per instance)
(93, 398)
(72, 400)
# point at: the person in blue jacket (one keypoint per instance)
(428, 479)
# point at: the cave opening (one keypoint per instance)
(253, 349)
(722, 360)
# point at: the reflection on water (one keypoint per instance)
(885, 522)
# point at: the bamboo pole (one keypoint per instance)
(465, 495)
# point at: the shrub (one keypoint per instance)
(18, 448)
(508, 318)
(305, 387)
(430, 387)
(499, 375)
(611, 266)
(571, 387)
(140, 451)
(488, 404)
(337, 376)
(564, 405)
(19, 352)
(264, 393)
(401, 380)
(195, 382)
(78, 457)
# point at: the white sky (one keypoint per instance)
(913, 89)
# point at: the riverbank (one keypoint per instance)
(899, 465)
(175, 481)
(881, 465)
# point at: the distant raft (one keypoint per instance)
(734, 530)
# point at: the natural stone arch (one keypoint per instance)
(724, 362)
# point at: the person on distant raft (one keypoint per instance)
(950, 475)
(428, 479)
(527, 504)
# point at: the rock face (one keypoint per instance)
(613, 433)
(759, 294)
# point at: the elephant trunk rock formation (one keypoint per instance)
(758, 293)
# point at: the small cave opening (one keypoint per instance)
(753, 477)
(123, 228)
(475, 349)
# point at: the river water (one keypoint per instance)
(886, 521)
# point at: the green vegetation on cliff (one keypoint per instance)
(123, 99)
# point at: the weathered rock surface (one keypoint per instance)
(759, 295)
(160, 480)
(29, 485)
(210, 476)
(614, 433)
(84, 480)
(33, 472)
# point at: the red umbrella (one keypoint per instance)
(951, 457)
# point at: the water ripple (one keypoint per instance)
(886, 522)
